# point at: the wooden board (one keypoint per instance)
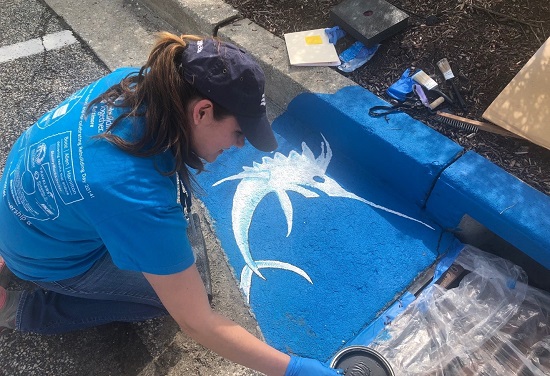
(523, 107)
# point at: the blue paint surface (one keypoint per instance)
(359, 258)
(403, 153)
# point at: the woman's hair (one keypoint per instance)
(161, 95)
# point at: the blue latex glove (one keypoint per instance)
(334, 33)
(402, 88)
(309, 367)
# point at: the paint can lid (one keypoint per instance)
(361, 361)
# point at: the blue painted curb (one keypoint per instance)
(401, 152)
(358, 258)
(504, 204)
(350, 261)
(427, 167)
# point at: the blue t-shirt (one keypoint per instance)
(67, 197)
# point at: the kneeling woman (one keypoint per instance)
(89, 208)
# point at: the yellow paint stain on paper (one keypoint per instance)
(310, 48)
(314, 39)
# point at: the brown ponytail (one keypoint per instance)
(160, 94)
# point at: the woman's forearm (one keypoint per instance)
(235, 343)
(185, 298)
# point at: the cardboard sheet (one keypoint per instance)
(523, 107)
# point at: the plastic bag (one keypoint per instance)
(493, 323)
(356, 56)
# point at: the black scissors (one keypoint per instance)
(379, 111)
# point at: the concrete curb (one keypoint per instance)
(394, 151)
(504, 204)
(283, 81)
(448, 184)
(428, 168)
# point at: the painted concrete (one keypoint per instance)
(400, 151)
(504, 204)
(358, 258)
(410, 157)
(400, 163)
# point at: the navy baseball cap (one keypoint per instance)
(230, 77)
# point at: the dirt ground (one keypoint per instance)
(486, 41)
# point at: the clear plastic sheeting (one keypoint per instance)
(491, 323)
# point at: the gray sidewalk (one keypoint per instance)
(283, 81)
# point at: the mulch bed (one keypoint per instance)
(486, 41)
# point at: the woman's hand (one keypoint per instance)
(309, 367)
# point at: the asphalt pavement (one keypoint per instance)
(104, 35)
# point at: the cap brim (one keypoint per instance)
(258, 132)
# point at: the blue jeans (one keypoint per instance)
(101, 295)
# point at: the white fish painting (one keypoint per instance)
(300, 173)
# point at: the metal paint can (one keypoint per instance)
(361, 361)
